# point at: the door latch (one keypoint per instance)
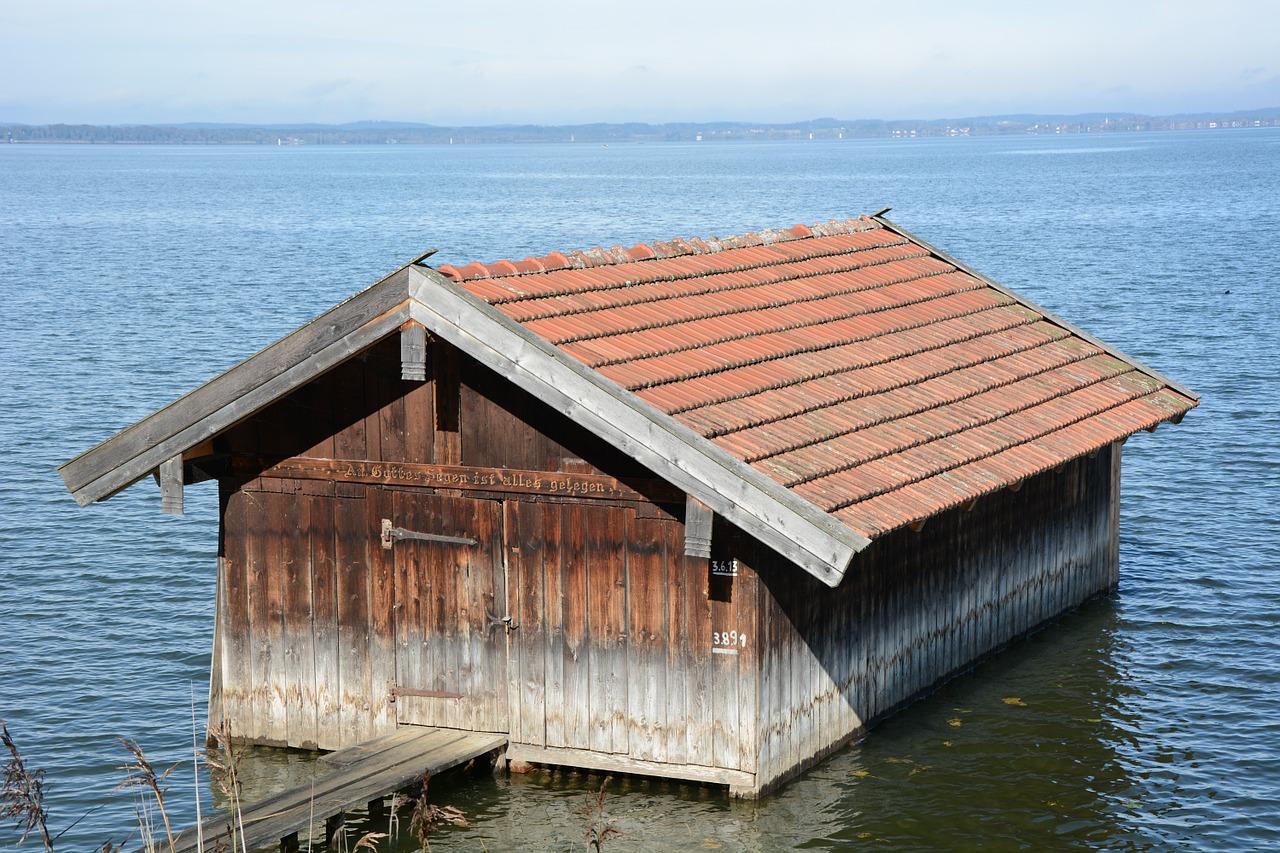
(506, 623)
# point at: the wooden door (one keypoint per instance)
(451, 645)
(568, 584)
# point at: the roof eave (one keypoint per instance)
(238, 393)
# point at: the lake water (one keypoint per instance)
(1146, 721)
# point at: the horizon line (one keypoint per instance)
(831, 121)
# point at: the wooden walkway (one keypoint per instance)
(362, 774)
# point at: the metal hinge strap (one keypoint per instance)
(391, 535)
(396, 690)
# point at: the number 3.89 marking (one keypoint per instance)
(728, 638)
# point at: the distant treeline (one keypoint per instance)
(371, 133)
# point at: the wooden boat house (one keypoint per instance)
(700, 509)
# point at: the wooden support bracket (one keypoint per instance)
(170, 476)
(698, 519)
(413, 352)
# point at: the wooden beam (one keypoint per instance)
(334, 825)
(793, 527)
(591, 760)
(463, 477)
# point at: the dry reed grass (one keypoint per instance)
(598, 828)
(22, 794)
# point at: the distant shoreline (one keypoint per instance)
(377, 133)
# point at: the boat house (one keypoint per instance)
(702, 509)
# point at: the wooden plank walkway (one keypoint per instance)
(362, 774)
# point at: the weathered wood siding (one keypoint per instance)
(449, 666)
(918, 607)
(462, 414)
(616, 648)
(304, 613)
(327, 639)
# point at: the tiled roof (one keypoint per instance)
(848, 361)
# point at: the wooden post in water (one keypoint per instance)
(333, 827)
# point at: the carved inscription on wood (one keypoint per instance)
(463, 477)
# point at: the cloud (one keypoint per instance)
(569, 60)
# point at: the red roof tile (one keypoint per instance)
(845, 360)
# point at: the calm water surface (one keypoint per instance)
(1148, 721)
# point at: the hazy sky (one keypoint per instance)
(564, 61)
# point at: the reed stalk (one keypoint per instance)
(598, 828)
(142, 775)
(224, 768)
(22, 794)
(427, 817)
(195, 762)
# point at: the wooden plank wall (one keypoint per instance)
(625, 646)
(307, 632)
(444, 596)
(319, 621)
(917, 608)
(463, 414)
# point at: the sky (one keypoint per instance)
(570, 62)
